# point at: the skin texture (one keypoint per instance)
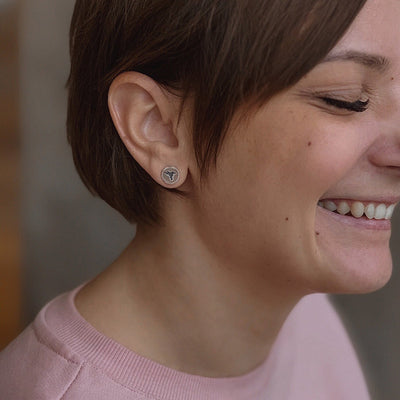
(239, 252)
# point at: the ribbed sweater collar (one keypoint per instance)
(62, 324)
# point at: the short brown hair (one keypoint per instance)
(223, 53)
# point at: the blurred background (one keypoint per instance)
(54, 235)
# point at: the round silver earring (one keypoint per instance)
(170, 175)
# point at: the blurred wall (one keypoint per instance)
(10, 240)
(69, 236)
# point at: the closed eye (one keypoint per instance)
(356, 106)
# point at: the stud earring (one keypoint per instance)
(170, 175)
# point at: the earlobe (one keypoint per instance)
(170, 175)
(144, 117)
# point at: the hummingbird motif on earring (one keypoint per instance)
(170, 175)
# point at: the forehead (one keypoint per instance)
(375, 30)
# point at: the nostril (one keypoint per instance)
(386, 153)
(393, 169)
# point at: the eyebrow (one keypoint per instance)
(373, 61)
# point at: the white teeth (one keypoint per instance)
(370, 211)
(380, 211)
(330, 205)
(357, 209)
(389, 211)
(343, 208)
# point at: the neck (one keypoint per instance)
(167, 298)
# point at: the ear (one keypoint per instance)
(146, 118)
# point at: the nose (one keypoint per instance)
(386, 151)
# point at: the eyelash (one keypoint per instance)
(356, 106)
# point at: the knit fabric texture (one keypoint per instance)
(61, 356)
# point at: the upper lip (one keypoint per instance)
(364, 199)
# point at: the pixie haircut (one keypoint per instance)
(222, 53)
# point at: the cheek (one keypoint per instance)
(326, 162)
(318, 151)
(260, 203)
(259, 197)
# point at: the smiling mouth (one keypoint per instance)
(358, 209)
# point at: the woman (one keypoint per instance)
(256, 146)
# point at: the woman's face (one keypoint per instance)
(262, 206)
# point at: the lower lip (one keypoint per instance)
(360, 223)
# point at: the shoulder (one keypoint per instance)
(32, 368)
(315, 324)
(315, 314)
(37, 364)
(315, 321)
(47, 361)
(316, 328)
(315, 349)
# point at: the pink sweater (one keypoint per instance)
(61, 356)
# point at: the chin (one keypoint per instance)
(356, 275)
(354, 254)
